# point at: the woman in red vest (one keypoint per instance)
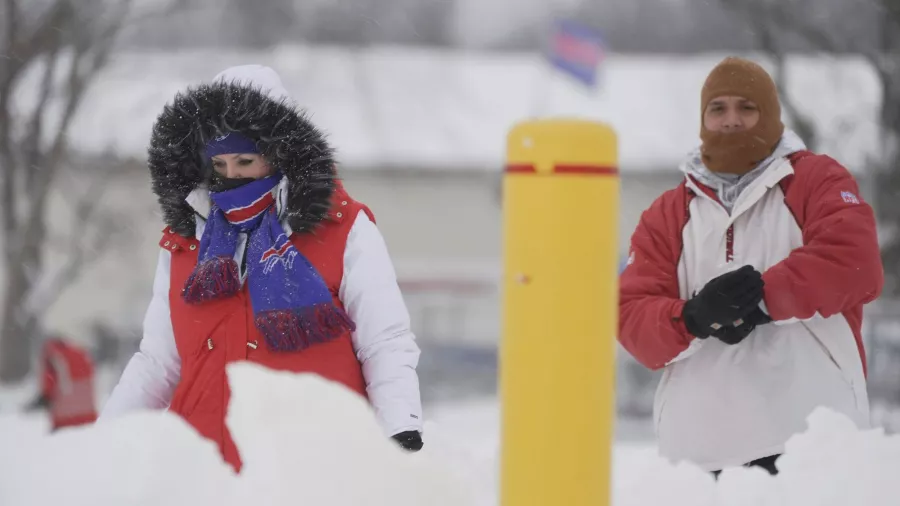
(265, 258)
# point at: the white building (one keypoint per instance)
(420, 136)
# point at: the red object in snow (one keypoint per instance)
(68, 384)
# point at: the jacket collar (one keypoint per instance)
(774, 174)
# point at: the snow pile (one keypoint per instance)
(308, 441)
(304, 441)
(831, 464)
(15, 397)
(141, 460)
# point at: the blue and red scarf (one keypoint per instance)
(292, 305)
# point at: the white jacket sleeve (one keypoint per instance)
(151, 375)
(383, 341)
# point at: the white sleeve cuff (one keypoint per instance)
(383, 341)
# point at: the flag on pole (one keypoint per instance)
(577, 50)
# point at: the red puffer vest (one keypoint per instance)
(215, 333)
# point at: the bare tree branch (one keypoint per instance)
(760, 23)
(37, 200)
(90, 55)
(22, 50)
(819, 37)
(801, 123)
(12, 22)
(157, 15)
(79, 250)
(8, 172)
(8, 167)
(33, 136)
(75, 44)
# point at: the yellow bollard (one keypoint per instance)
(560, 289)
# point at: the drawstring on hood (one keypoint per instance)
(728, 187)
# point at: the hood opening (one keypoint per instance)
(249, 100)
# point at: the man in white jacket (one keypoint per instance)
(746, 284)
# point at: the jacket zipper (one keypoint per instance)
(729, 244)
(729, 234)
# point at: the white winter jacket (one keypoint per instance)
(803, 225)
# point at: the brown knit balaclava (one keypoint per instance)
(740, 152)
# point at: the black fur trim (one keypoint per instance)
(284, 135)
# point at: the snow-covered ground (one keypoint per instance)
(14, 397)
(306, 441)
(831, 464)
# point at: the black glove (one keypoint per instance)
(723, 301)
(758, 317)
(410, 440)
(733, 334)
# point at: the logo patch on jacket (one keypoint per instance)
(849, 198)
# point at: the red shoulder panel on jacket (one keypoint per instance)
(174, 241)
(342, 206)
(811, 171)
(669, 214)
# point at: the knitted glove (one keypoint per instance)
(724, 301)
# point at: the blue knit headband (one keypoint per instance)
(230, 143)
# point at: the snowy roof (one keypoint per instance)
(435, 110)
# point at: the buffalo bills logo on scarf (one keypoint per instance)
(282, 251)
(292, 306)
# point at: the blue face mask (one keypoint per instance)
(219, 183)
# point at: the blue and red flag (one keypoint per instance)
(577, 50)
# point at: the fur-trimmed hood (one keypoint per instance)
(249, 100)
